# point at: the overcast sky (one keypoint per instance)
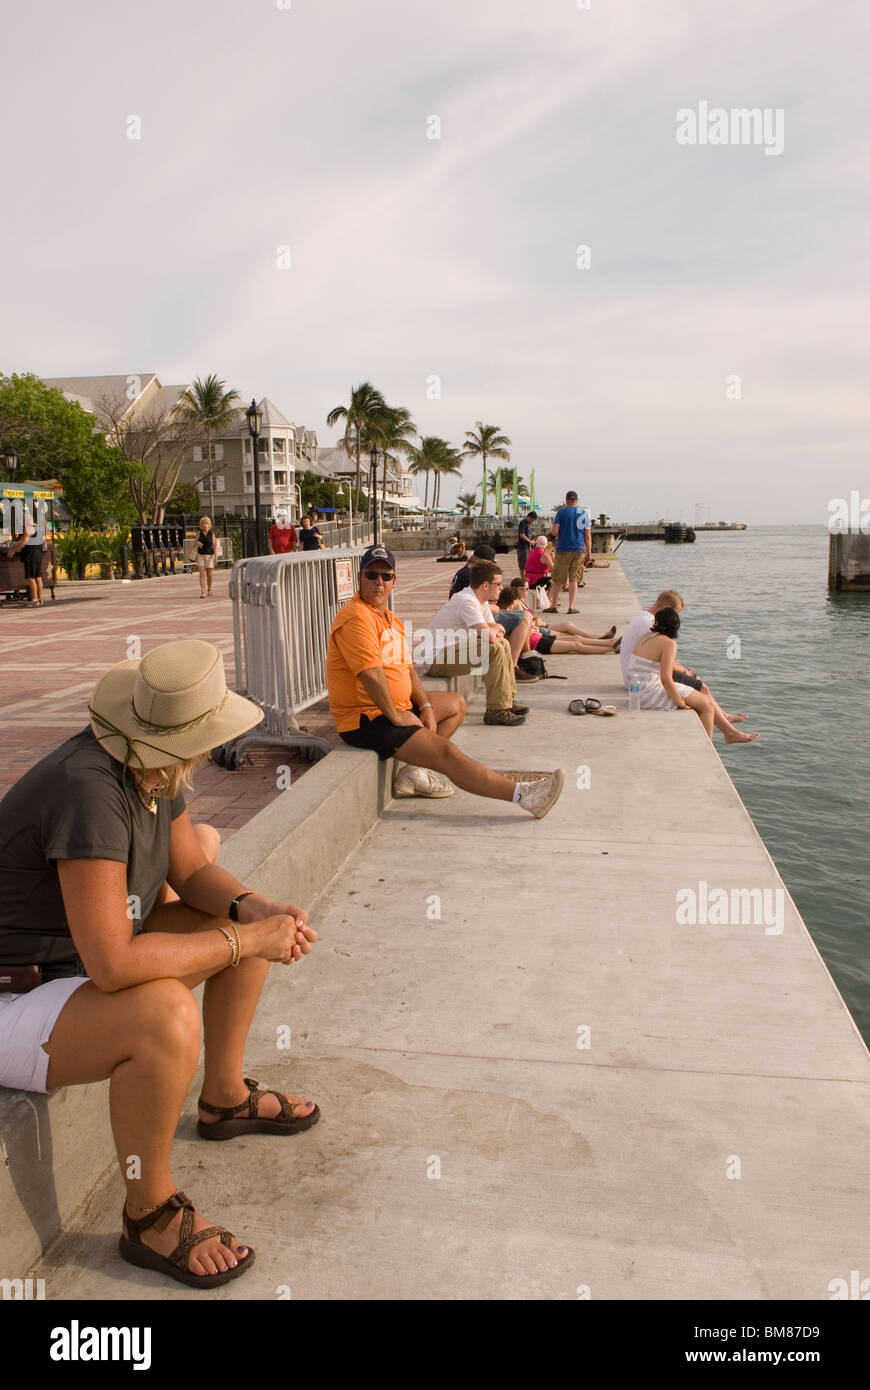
(263, 127)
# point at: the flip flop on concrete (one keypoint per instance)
(590, 706)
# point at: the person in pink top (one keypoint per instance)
(538, 565)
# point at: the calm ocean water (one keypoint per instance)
(804, 679)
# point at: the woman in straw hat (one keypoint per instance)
(113, 909)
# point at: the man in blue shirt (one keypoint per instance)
(571, 527)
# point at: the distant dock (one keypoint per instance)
(655, 530)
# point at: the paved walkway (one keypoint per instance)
(51, 659)
(536, 1080)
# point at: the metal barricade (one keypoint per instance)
(283, 608)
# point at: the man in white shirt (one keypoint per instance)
(640, 627)
(467, 618)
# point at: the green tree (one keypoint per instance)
(212, 409)
(427, 458)
(55, 438)
(466, 502)
(389, 430)
(485, 443)
(317, 492)
(449, 465)
(507, 480)
(366, 403)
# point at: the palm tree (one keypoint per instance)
(507, 480)
(213, 409)
(426, 458)
(388, 429)
(449, 464)
(467, 501)
(486, 443)
(366, 402)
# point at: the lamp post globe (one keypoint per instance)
(10, 461)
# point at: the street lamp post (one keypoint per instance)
(373, 496)
(255, 420)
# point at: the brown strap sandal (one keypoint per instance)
(231, 1123)
(136, 1252)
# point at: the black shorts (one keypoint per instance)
(32, 557)
(694, 681)
(545, 646)
(542, 583)
(380, 735)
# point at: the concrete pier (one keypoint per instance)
(548, 1068)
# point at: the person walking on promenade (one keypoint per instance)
(31, 556)
(462, 576)
(309, 536)
(113, 909)
(661, 687)
(206, 554)
(524, 540)
(639, 627)
(282, 536)
(571, 528)
(466, 620)
(378, 702)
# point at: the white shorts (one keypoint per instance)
(26, 1021)
(205, 562)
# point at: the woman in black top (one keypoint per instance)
(205, 556)
(111, 891)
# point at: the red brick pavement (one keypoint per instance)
(52, 657)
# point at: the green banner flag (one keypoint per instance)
(532, 490)
(485, 491)
(498, 496)
(516, 495)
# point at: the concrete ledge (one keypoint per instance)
(55, 1149)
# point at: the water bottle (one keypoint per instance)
(634, 694)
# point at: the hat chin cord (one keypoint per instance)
(155, 728)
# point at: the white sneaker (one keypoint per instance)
(419, 781)
(540, 795)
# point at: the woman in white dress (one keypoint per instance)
(652, 662)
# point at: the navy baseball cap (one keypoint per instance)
(378, 552)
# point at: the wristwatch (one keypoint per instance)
(233, 912)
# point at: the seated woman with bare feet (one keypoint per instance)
(607, 640)
(651, 664)
(113, 909)
(542, 639)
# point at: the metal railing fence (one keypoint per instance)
(283, 607)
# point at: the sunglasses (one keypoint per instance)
(373, 575)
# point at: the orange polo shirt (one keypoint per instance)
(362, 637)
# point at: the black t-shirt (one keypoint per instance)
(461, 580)
(310, 537)
(523, 532)
(76, 803)
(205, 543)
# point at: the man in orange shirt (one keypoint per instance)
(378, 701)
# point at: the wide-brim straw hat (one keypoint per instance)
(171, 705)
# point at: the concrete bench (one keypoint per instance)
(55, 1149)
